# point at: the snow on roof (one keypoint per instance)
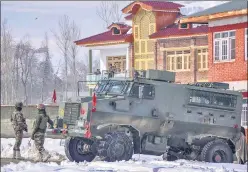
(130, 31)
(229, 6)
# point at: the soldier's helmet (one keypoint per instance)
(18, 105)
(41, 107)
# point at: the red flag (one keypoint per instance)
(94, 103)
(54, 96)
(94, 100)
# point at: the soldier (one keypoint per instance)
(19, 124)
(39, 131)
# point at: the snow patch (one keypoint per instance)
(139, 163)
(28, 151)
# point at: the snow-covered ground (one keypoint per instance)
(142, 163)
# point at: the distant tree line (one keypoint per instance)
(27, 73)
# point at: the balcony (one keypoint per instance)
(92, 79)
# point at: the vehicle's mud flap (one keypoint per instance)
(246, 134)
(242, 149)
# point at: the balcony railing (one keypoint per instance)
(92, 78)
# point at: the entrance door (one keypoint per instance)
(119, 62)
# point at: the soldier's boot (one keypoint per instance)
(39, 158)
(14, 154)
(18, 155)
(45, 158)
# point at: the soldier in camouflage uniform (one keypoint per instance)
(19, 124)
(39, 131)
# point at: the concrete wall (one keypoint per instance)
(29, 113)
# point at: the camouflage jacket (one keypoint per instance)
(18, 121)
(40, 124)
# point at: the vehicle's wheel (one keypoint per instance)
(76, 150)
(217, 151)
(116, 146)
(167, 157)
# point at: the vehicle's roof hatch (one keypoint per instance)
(159, 75)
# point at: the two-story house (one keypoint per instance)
(227, 45)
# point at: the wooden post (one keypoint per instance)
(90, 66)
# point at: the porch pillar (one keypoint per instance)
(90, 66)
(127, 61)
(193, 57)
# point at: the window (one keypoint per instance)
(212, 99)
(116, 31)
(148, 91)
(183, 26)
(136, 32)
(151, 28)
(246, 44)
(178, 60)
(202, 59)
(244, 116)
(224, 46)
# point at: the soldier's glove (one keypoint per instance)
(26, 129)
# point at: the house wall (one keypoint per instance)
(164, 19)
(183, 43)
(144, 24)
(233, 71)
(117, 50)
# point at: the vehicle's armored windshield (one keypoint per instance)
(111, 87)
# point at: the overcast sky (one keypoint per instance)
(21, 17)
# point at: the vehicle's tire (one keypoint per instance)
(169, 157)
(116, 146)
(217, 151)
(73, 150)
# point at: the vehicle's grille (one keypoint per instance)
(71, 113)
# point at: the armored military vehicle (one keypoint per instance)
(151, 114)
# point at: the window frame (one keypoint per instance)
(220, 41)
(136, 32)
(180, 26)
(201, 59)
(154, 26)
(246, 44)
(173, 59)
(147, 98)
(116, 29)
(212, 96)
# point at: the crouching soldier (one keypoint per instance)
(39, 131)
(19, 125)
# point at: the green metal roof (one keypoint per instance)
(229, 6)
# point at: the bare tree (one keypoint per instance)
(25, 54)
(109, 11)
(7, 64)
(47, 69)
(63, 40)
(116, 11)
(75, 35)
